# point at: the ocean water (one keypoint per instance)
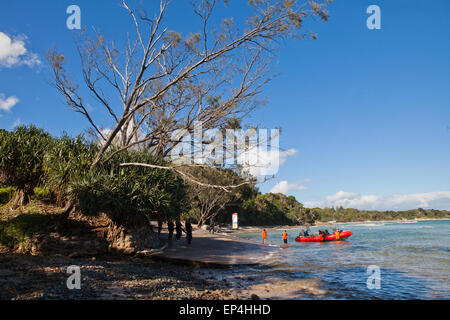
(413, 260)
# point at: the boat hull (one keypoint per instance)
(331, 237)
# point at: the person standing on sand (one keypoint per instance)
(285, 237)
(188, 228)
(264, 236)
(160, 223)
(170, 227)
(178, 229)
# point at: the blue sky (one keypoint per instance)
(367, 111)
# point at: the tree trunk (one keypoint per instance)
(201, 221)
(21, 197)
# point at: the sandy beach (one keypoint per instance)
(221, 249)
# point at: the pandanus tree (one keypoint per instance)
(127, 195)
(21, 160)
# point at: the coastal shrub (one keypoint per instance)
(66, 161)
(351, 214)
(276, 209)
(21, 160)
(263, 210)
(259, 209)
(124, 193)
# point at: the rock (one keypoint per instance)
(254, 297)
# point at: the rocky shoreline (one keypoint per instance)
(34, 261)
(25, 277)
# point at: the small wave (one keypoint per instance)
(368, 225)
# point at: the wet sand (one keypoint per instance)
(214, 250)
(224, 250)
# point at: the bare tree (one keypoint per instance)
(165, 82)
(206, 202)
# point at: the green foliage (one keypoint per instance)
(31, 161)
(126, 192)
(67, 160)
(42, 193)
(259, 209)
(21, 158)
(271, 209)
(34, 162)
(351, 215)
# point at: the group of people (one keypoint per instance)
(303, 233)
(284, 236)
(325, 232)
(178, 227)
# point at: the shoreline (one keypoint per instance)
(139, 278)
(245, 229)
(221, 249)
(110, 277)
(183, 274)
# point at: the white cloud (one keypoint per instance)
(7, 103)
(13, 52)
(284, 187)
(342, 195)
(429, 200)
(260, 162)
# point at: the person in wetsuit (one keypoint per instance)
(321, 235)
(160, 223)
(178, 230)
(306, 232)
(188, 228)
(170, 227)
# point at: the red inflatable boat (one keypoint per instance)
(331, 237)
